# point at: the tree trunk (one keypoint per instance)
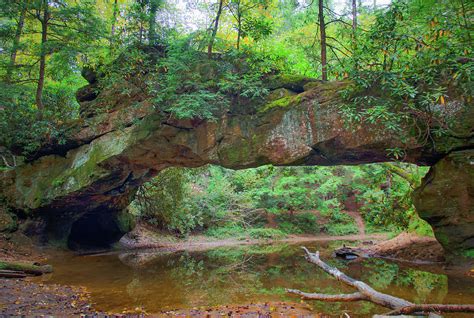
(431, 308)
(214, 30)
(239, 26)
(16, 42)
(414, 183)
(365, 290)
(12, 274)
(25, 268)
(354, 17)
(152, 22)
(42, 67)
(322, 29)
(114, 21)
(354, 34)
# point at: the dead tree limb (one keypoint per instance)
(12, 274)
(427, 308)
(326, 297)
(368, 292)
(365, 292)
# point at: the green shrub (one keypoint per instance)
(298, 223)
(342, 228)
(420, 227)
(266, 233)
(341, 224)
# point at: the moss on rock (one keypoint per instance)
(284, 102)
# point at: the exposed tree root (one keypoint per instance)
(365, 292)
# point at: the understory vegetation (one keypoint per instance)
(272, 202)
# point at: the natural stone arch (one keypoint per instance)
(122, 142)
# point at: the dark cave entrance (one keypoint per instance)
(94, 231)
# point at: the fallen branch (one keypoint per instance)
(427, 308)
(365, 292)
(26, 268)
(12, 274)
(326, 297)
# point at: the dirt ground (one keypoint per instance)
(18, 247)
(145, 237)
(22, 297)
(260, 310)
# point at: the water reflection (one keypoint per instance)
(163, 280)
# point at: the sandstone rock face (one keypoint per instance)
(446, 201)
(122, 141)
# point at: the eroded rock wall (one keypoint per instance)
(446, 201)
(123, 141)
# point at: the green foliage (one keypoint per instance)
(388, 204)
(226, 232)
(21, 130)
(235, 204)
(342, 229)
(161, 202)
(411, 63)
(188, 85)
(266, 233)
(75, 29)
(300, 223)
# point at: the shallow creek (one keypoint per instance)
(156, 281)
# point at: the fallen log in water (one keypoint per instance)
(12, 274)
(365, 292)
(10, 269)
(427, 308)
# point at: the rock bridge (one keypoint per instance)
(77, 193)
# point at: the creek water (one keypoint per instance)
(157, 281)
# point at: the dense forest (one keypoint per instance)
(227, 203)
(189, 146)
(418, 53)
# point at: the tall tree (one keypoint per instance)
(354, 33)
(237, 9)
(152, 36)
(16, 40)
(248, 21)
(67, 28)
(323, 39)
(44, 20)
(354, 15)
(114, 22)
(214, 29)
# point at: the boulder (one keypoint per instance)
(446, 201)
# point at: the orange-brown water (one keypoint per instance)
(156, 281)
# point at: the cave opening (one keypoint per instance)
(94, 231)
